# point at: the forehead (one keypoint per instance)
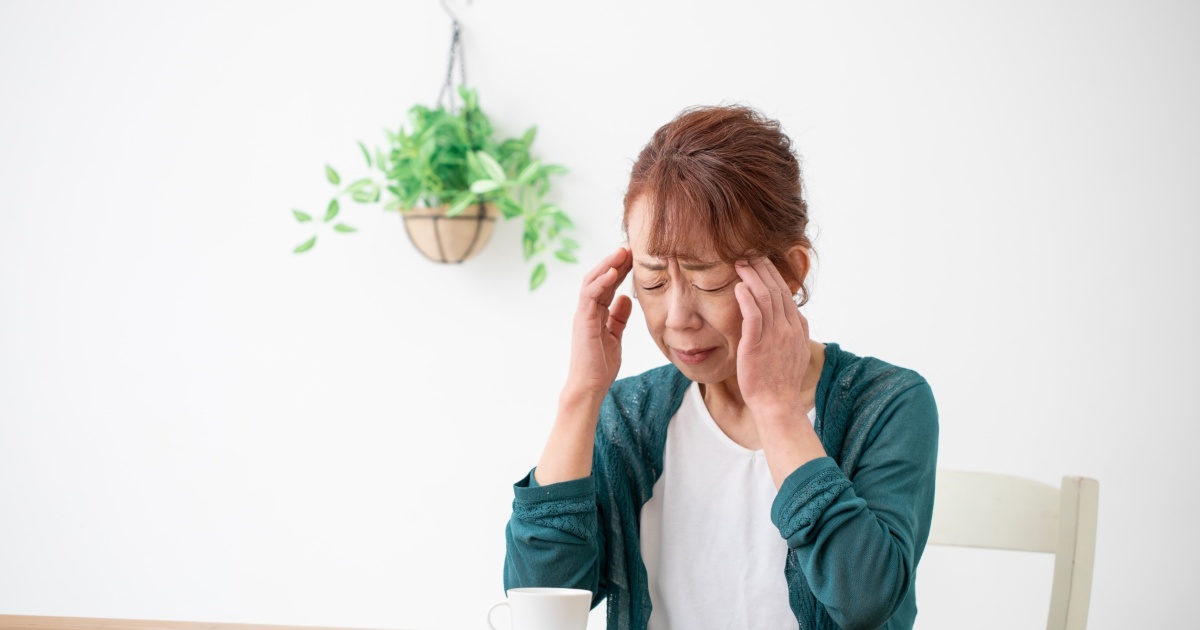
(693, 246)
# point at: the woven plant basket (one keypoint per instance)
(450, 239)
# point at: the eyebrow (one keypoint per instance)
(689, 265)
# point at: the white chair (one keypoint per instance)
(974, 509)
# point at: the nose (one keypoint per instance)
(681, 309)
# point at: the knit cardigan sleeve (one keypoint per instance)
(856, 526)
(553, 537)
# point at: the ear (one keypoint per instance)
(798, 258)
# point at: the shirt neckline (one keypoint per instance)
(696, 399)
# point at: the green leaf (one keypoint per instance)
(468, 96)
(484, 186)
(332, 175)
(562, 220)
(569, 244)
(491, 166)
(305, 246)
(510, 208)
(345, 229)
(528, 241)
(370, 195)
(538, 248)
(474, 166)
(364, 190)
(301, 216)
(464, 200)
(332, 210)
(366, 154)
(538, 276)
(565, 256)
(555, 169)
(511, 148)
(529, 172)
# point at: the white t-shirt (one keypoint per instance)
(713, 557)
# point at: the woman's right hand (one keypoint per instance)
(595, 358)
(599, 323)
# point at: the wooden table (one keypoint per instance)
(26, 622)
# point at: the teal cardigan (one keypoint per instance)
(856, 522)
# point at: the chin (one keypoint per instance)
(703, 373)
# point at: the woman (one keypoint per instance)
(761, 479)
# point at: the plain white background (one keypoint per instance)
(197, 424)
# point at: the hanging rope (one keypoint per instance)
(446, 98)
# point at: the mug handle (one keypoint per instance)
(491, 610)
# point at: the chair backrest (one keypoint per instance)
(974, 509)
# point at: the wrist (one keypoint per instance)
(568, 452)
(780, 413)
(580, 397)
(784, 423)
(579, 405)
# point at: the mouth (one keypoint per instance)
(692, 357)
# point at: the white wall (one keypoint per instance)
(197, 424)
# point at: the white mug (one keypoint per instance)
(546, 608)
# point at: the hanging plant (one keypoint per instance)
(449, 176)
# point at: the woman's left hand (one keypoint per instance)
(774, 353)
(772, 359)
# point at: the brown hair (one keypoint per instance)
(729, 174)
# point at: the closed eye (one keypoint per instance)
(722, 287)
(657, 286)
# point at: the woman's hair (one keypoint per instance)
(729, 175)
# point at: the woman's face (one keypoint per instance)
(689, 305)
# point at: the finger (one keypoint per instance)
(752, 321)
(780, 296)
(772, 275)
(789, 308)
(782, 305)
(618, 315)
(758, 289)
(614, 259)
(598, 287)
(623, 268)
(803, 321)
(599, 291)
